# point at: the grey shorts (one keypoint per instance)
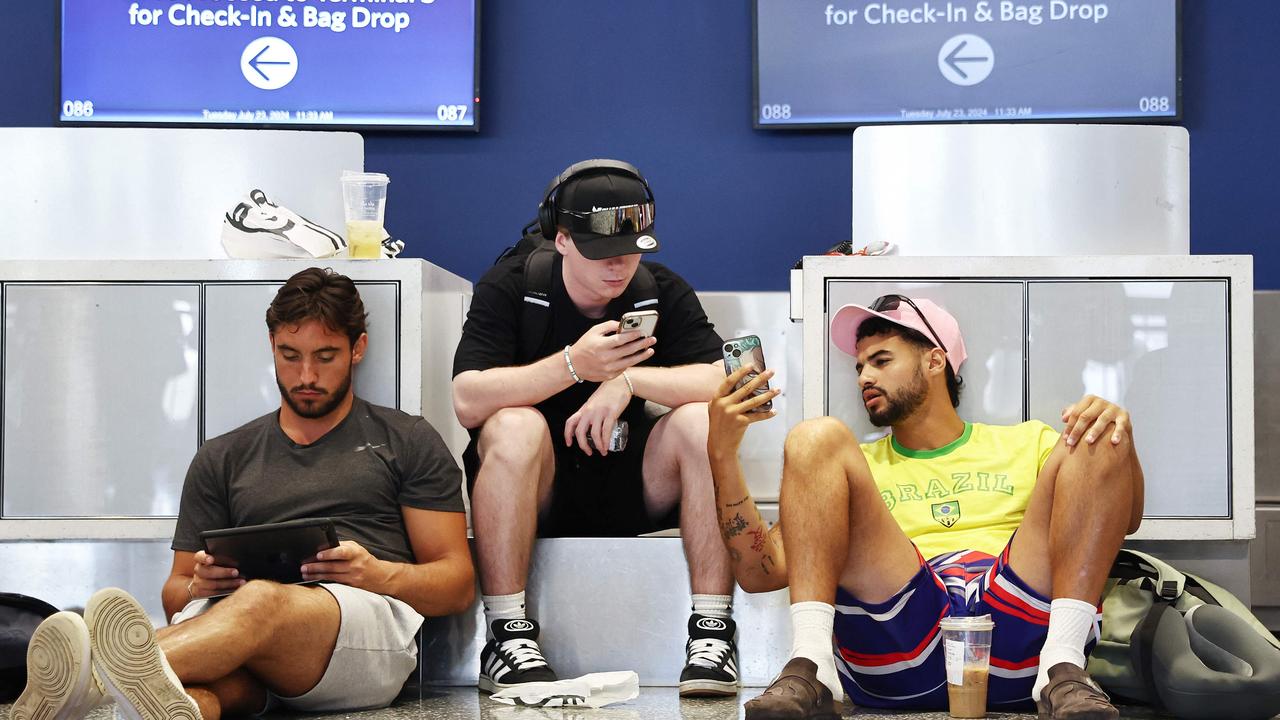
(375, 653)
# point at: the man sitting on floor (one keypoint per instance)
(942, 517)
(393, 491)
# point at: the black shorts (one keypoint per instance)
(595, 496)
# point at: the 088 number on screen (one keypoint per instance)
(1154, 104)
(775, 112)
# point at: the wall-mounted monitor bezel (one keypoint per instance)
(361, 127)
(853, 123)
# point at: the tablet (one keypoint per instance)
(275, 551)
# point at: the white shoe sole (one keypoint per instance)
(491, 686)
(59, 671)
(130, 663)
(708, 688)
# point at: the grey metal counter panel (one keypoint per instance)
(159, 193)
(1159, 349)
(1030, 189)
(101, 397)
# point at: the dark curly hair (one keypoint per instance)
(319, 294)
(874, 326)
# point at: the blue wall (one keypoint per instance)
(666, 84)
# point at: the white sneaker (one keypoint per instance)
(60, 681)
(130, 663)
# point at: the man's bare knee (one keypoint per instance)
(512, 434)
(817, 440)
(1099, 463)
(257, 598)
(687, 426)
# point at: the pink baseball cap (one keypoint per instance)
(924, 316)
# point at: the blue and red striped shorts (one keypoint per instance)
(889, 653)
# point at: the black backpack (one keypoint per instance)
(19, 617)
(539, 262)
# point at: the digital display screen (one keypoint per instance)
(406, 64)
(820, 63)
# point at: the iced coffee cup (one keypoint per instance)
(364, 198)
(966, 644)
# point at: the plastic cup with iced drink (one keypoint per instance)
(966, 644)
(364, 197)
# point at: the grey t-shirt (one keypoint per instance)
(360, 474)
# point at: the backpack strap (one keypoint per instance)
(642, 292)
(535, 314)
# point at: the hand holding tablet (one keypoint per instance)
(275, 551)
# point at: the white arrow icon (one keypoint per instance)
(269, 63)
(966, 59)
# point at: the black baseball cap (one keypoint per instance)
(607, 214)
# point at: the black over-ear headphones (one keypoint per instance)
(547, 210)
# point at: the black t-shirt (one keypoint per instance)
(491, 335)
(360, 474)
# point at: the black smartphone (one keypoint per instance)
(746, 350)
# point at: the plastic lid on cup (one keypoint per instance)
(967, 622)
(352, 176)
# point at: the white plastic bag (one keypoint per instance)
(591, 690)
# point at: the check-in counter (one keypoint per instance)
(114, 373)
(1169, 338)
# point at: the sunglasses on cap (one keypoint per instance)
(612, 221)
(885, 303)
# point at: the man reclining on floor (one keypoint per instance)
(942, 517)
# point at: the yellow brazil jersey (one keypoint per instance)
(967, 495)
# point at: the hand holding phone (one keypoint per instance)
(743, 351)
(639, 321)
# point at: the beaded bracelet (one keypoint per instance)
(569, 361)
(630, 387)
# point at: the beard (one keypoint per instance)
(900, 405)
(320, 407)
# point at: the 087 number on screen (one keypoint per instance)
(451, 113)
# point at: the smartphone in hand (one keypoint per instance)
(746, 350)
(639, 321)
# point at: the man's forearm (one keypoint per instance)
(758, 562)
(442, 587)
(676, 386)
(478, 394)
(174, 595)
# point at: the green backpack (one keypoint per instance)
(1139, 657)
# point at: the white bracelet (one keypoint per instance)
(569, 361)
(630, 387)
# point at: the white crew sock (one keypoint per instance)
(812, 627)
(716, 606)
(501, 607)
(1069, 624)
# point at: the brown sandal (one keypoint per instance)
(1072, 695)
(796, 694)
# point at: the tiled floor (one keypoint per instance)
(653, 704)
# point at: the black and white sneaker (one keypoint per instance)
(711, 658)
(513, 657)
